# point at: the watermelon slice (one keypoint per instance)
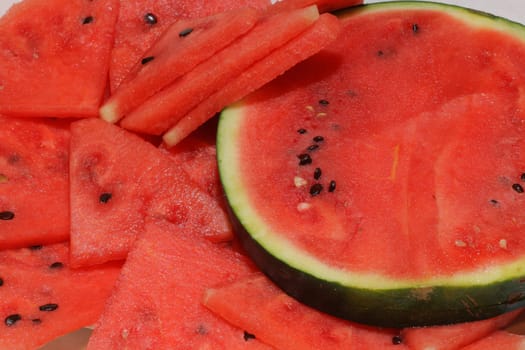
(393, 183)
(163, 109)
(156, 302)
(255, 304)
(43, 298)
(118, 179)
(498, 340)
(322, 5)
(142, 22)
(319, 35)
(182, 46)
(34, 182)
(55, 57)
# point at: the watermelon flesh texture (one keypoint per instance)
(42, 299)
(319, 35)
(55, 56)
(111, 194)
(156, 304)
(498, 340)
(254, 303)
(165, 108)
(142, 22)
(182, 46)
(34, 182)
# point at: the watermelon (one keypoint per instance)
(43, 298)
(264, 310)
(381, 180)
(117, 180)
(55, 57)
(498, 340)
(322, 5)
(319, 35)
(182, 46)
(34, 182)
(163, 109)
(156, 301)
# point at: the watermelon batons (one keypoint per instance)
(319, 35)
(42, 298)
(156, 304)
(182, 46)
(34, 182)
(55, 57)
(165, 108)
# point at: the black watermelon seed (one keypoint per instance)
(380, 53)
(48, 307)
(396, 340)
(331, 187)
(304, 159)
(301, 131)
(56, 265)
(150, 18)
(318, 139)
(518, 188)
(316, 189)
(312, 147)
(317, 173)
(494, 202)
(7, 215)
(185, 32)
(147, 59)
(415, 28)
(36, 247)
(12, 319)
(87, 20)
(36, 321)
(105, 197)
(248, 336)
(522, 177)
(1, 282)
(324, 102)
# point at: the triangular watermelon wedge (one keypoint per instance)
(43, 298)
(55, 57)
(34, 182)
(183, 45)
(118, 179)
(156, 304)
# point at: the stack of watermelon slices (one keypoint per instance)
(101, 226)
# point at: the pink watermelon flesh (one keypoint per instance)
(498, 340)
(55, 57)
(406, 165)
(255, 304)
(118, 179)
(156, 304)
(455, 336)
(34, 182)
(142, 22)
(165, 108)
(43, 298)
(319, 35)
(182, 46)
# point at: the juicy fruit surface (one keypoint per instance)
(427, 177)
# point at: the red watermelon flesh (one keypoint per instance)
(55, 57)
(322, 5)
(183, 45)
(498, 340)
(455, 336)
(319, 35)
(255, 304)
(34, 182)
(156, 304)
(165, 108)
(118, 179)
(43, 298)
(142, 22)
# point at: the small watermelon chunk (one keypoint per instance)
(258, 306)
(156, 304)
(498, 340)
(118, 179)
(34, 182)
(43, 298)
(165, 108)
(320, 34)
(55, 57)
(184, 44)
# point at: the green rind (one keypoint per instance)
(361, 297)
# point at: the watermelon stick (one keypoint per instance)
(185, 44)
(319, 35)
(164, 109)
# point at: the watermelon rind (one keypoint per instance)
(363, 297)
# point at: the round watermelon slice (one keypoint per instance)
(382, 180)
